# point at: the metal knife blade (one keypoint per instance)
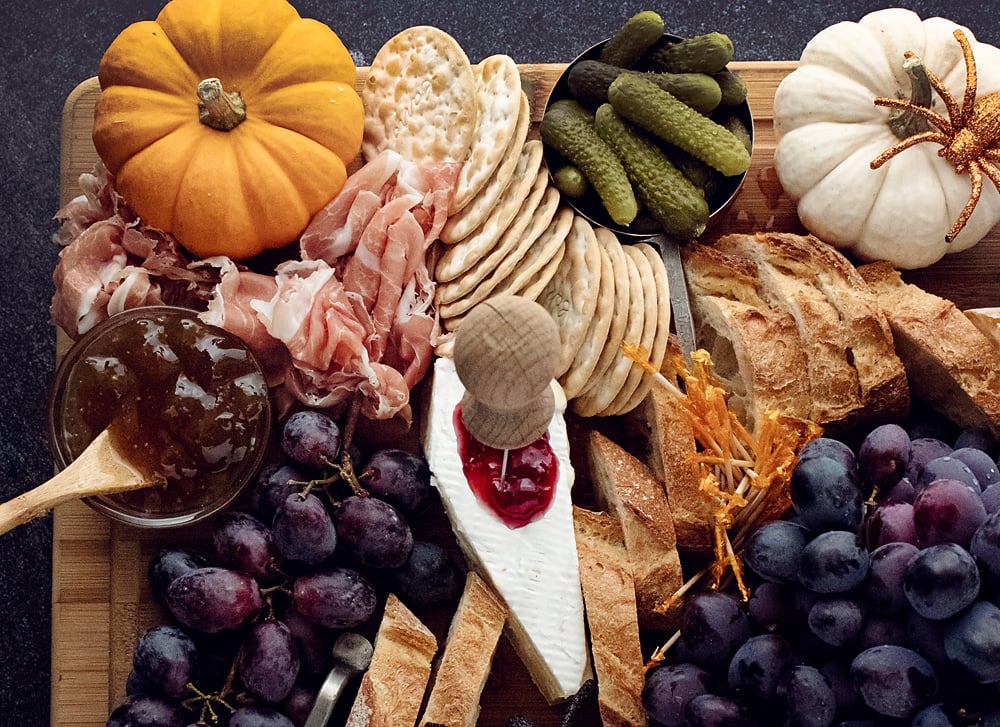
(680, 304)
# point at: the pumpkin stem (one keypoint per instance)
(904, 123)
(218, 108)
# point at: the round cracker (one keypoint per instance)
(570, 297)
(474, 284)
(420, 98)
(651, 310)
(465, 254)
(498, 87)
(589, 353)
(607, 383)
(658, 352)
(473, 214)
(534, 285)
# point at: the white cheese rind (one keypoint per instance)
(534, 568)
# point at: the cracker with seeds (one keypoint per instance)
(498, 86)
(571, 295)
(420, 98)
(464, 255)
(473, 214)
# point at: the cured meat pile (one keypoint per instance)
(352, 312)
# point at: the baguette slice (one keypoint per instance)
(392, 690)
(986, 320)
(468, 654)
(949, 362)
(609, 598)
(627, 488)
(755, 347)
(855, 376)
(671, 443)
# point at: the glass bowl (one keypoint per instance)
(590, 205)
(195, 400)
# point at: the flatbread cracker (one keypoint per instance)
(465, 254)
(537, 282)
(531, 219)
(661, 340)
(589, 353)
(472, 215)
(651, 310)
(420, 98)
(498, 87)
(571, 295)
(608, 382)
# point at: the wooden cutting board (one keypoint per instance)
(100, 600)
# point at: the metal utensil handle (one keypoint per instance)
(680, 304)
(327, 697)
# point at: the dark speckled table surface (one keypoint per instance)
(47, 49)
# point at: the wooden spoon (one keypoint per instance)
(99, 470)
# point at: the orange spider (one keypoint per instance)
(969, 140)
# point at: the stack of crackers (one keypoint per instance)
(508, 231)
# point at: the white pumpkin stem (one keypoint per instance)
(218, 108)
(903, 123)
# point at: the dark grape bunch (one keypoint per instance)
(875, 602)
(310, 551)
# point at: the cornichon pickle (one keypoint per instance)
(732, 87)
(670, 197)
(707, 53)
(570, 181)
(634, 38)
(643, 102)
(569, 129)
(588, 83)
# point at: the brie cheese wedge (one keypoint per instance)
(534, 568)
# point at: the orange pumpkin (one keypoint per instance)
(228, 124)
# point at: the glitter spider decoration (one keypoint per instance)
(969, 137)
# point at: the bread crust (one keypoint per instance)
(609, 597)
(949, 362)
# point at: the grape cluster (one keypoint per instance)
(310, 551)
(875, 601)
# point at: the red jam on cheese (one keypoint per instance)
(528, 485)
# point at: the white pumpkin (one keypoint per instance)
(829, 130)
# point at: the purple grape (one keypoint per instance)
(882, 456)
(274, 483)
(372, 532)
(339, 598)
(807, 697)
(214, 599)
(878, 630)
(400, 478)
(985, 548)
(314, 643)
(259, 717)
(980, 463)
(311, 439)
(711, 710)
(298, 704)
(976, 439)
(838, 675)
(883, 590)
(932, 716)
(268, 661)
(169, 563)
(922, 451)
(669, 688)
(712, 626)
(166, 659)
(836, 621)
(757, 666)
(831, 448)
(148, 711)
(893, 680)
(902, 491)
(890, 522)
(926, 637)
(947, 511)
(427, 577)
(772, 551)
(991, 498)
(972, 640)
(946, 468)
(244, 543)
(941, 580)
(770, 604)
(825, 495)
(833, 562)
(303, 530)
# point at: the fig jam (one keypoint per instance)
(183, 401)
(527, 487)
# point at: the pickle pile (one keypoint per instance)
(651, 126)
